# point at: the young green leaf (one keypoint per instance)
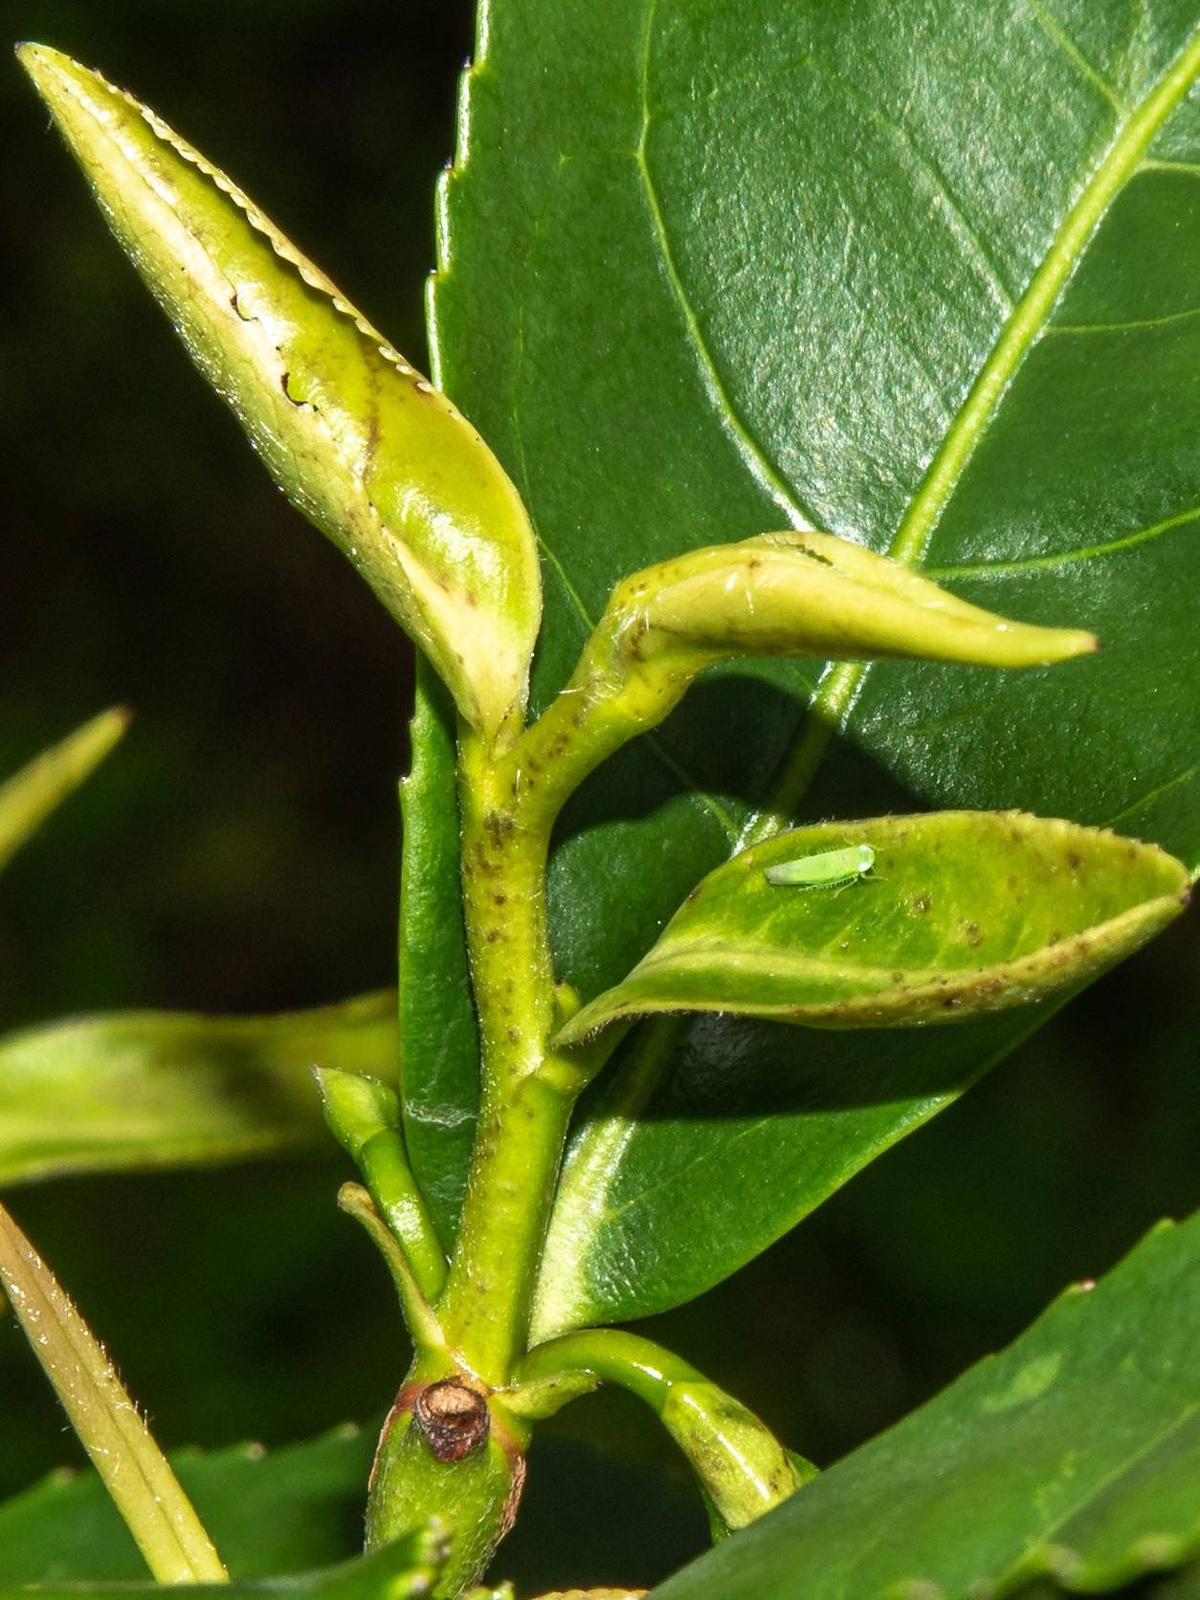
(780, 594)
(135, 1472)
(1074, 1453)
(810, 594)
(967, 912)
(28, 798)
(141, 1090)
(375, 456)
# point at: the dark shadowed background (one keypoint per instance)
(239, 851)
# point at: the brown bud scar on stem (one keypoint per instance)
(453, 1418)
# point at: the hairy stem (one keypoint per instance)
(528, 1091)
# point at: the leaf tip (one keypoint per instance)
(46, 66)
(1035, 646)
(1079, 642)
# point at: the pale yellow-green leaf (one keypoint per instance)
(780, 594)
(816, 595)
(963, 912)
(134, 1091)
(364, 445)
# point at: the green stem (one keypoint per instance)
(384, 1163)
(528, 1091)
(133, 1469)
(564, 1368)
(363, 1114)
(614, 694)
(422, 1323)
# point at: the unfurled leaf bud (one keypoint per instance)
(357, 439)
(781, 594)
(793, 594)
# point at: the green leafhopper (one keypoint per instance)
(824, 871)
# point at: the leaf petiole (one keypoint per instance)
(742, 1467)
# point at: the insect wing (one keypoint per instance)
(826, 870)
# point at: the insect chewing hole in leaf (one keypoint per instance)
(827, 870)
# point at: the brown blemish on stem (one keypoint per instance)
(453, 1417)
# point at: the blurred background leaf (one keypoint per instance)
(238, 852)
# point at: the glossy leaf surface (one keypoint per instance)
(1075, 1452)
(922, 279)
(965, 912)
(136, 1091)
(271, 1513)
(355, 437)
(29, 796)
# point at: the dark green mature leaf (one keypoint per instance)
(970, 911)
(1075, 1452)
(1178, 1586)
(924, 277)
(270, 1513)
(140, 1090)
(405, 1570)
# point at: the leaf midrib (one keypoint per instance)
(835, 698)
(1032, 311)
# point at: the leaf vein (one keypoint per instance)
(1073, 329)
(1055, 30)
(1064, 558)
(1151, 164)
(1154, 794)
(764, 471)
(1117, 165)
